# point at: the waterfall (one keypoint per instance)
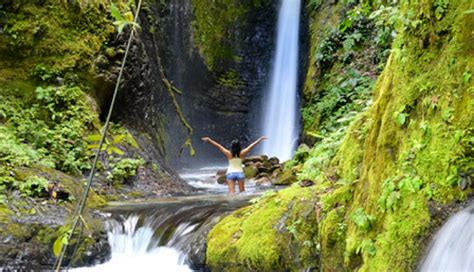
(280, 110)
(133, 248)
(453, 246)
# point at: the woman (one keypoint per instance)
(235, 172)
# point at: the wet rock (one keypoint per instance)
(250, 171)
(306, 183)
(286, 178)
(274, 167)
(253, 160)
(221, 176)
(274, 160)
(262, 175)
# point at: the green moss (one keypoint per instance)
(216, 27)
(273, 234)
(58, 35)
(332, 230)
(399, 167)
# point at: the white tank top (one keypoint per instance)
(235, 165)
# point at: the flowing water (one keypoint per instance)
(453, 246)
(169, 234)
(280, 110)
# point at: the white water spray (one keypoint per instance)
(135, 249)
(453, 246)
(280, 117)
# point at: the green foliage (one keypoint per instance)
(367, 246)
(362, 220)
(338, 102)
(13, 152)
(44, 73)
(121, 21)
(53, 124)
(59, 36)
(124, 169)
(401, 116)
(34, 186)
(440, 7)
(231, 79)
(61, 241)
(314, 4)
(320, 156)
(119, 137)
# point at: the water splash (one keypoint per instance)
(280, 111)
(134, 249)
(453, 246)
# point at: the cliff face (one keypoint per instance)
(218, 57)
(392, 142)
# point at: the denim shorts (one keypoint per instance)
(235, 176)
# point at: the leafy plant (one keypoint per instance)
(124, 169)
(401, 116)
(121, 21)
(314, 4)
(50, 127)
(293, 228)
(367, 246)
(440, 8)
(362, 220)
(45, 73)
(61, 241)
(390, 195)
(111, 144)
(34, 186)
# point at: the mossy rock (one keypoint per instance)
(250, 171)
(274, 234)
(287, 177)
(71, 184)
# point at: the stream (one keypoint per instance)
(169, 234)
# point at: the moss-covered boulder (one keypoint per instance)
(287, 177)
(274, 234)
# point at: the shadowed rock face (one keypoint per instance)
(211, 106)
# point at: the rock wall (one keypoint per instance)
(219, 70)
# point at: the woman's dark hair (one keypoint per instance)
(235, 148)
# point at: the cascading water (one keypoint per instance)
(453, 246)
(133, 248)
(280, 111)
(168, 234)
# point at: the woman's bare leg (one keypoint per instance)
(241, 185)
(231, 185)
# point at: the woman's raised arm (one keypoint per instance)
(245, 151)
(222, 149)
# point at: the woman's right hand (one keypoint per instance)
(263, 138)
